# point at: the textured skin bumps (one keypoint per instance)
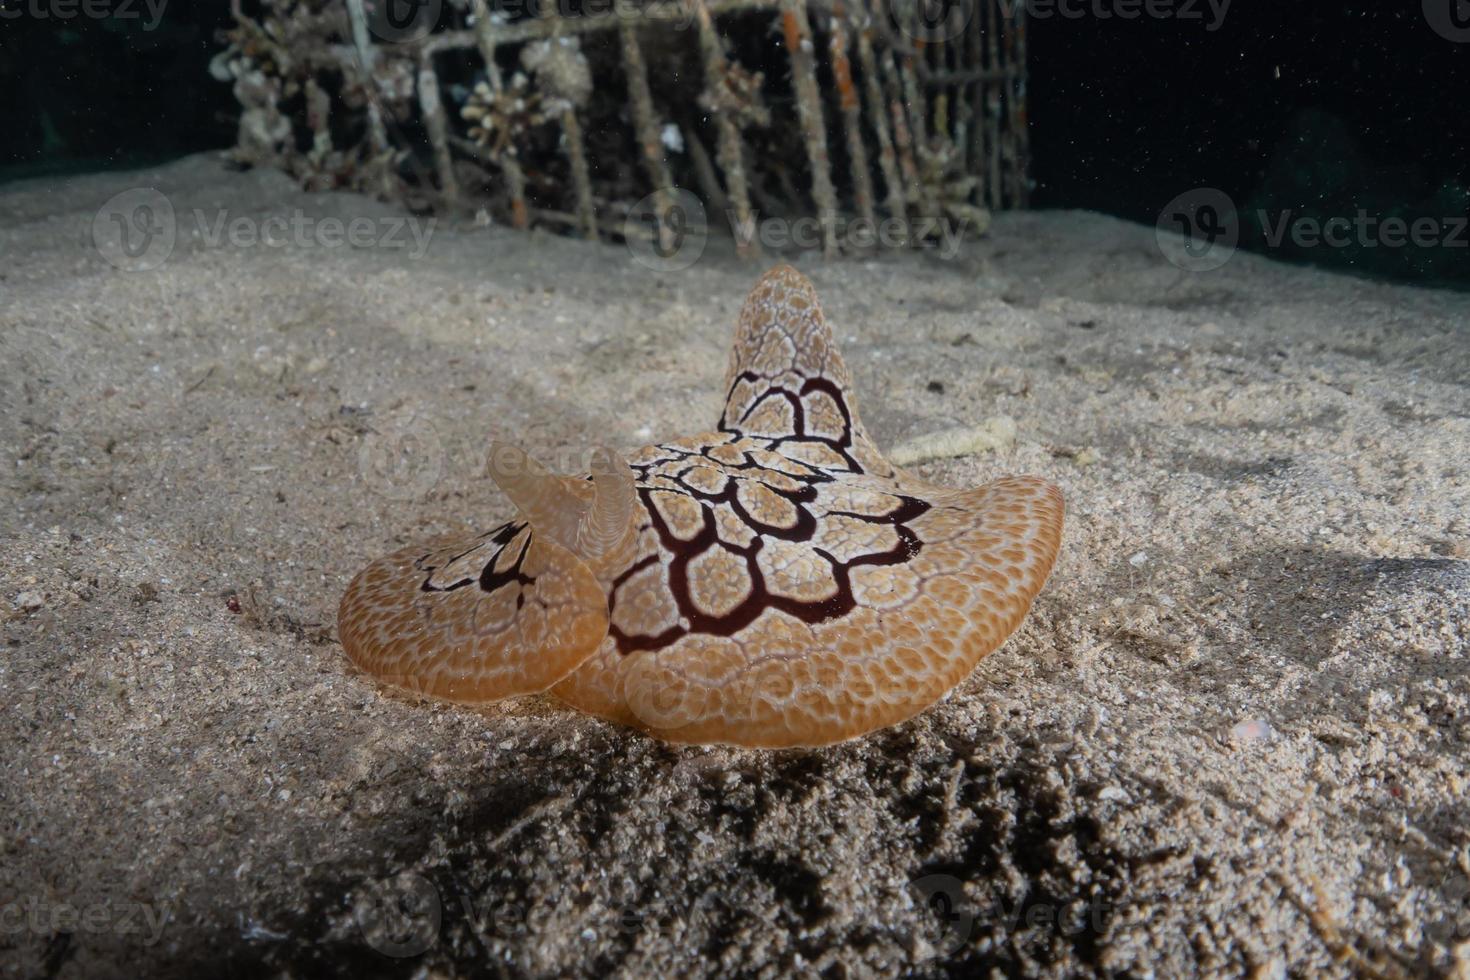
(781, 583)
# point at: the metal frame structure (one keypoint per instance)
(925, 106)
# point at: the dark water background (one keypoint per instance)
(1302, 109)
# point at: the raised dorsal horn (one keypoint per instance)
(591, 521)
(604, 529)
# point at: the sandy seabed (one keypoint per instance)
(1232, 738)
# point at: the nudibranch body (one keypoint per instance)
(775, 582)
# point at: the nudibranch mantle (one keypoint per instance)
(775, 582)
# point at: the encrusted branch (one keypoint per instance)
(650, 140)
(367, 59)
(437, 125)
(798, 33)
(716, 71)
(852, 118)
